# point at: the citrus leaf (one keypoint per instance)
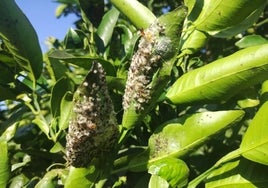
(240, 173)
(20, 38)
(255, 141)
(106, 27)
(173, 170)
(91, 10)
(251, 40)
(66, 106)
(4, 163)
(50, 178)
(157, 182)
(223, 78)
(192, 41)
(179, 137)
(58, 91)
(18, 181)
(82, 61)
(9, 93)
(77, 177)
(42, 124)
(218, 15)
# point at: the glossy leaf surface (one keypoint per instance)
(173, 170)
(219, 15)
(58, 91)
(251, 40)
(20, 38)
(180, 136)
(77, 178)
(240, 173)
(257, 149)
(106, 27)
(223, 78)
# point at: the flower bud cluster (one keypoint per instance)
(93, 129)
(143, 65)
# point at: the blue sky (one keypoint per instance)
(41, 14)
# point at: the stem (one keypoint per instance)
(136, 12)
(262, 22)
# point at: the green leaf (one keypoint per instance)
(223, 78)
(7, 74)
(77, 177)
(251, 40)
(82, 61)
(158, 182)
(240, 173)
(173, 23)
(219, 15)
(18, 181)
(106, 28)
(91, 11)
(179, 137)
(255, 141)
(4, 163)
(192, 41)
(55, 68)
(72, 39)
(59, 90)
(66, 106)
(50, 179)
(8, 94)
(136, 12)
(42, 124)
(60, 10)
(20, 38)
(17, 113)
(241, 26)
(173, 170)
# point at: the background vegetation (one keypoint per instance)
(206, 124)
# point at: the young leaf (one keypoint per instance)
(65, 110)
(251, 40)
(255, 141)
(20, 38)
(240, 173)
(223, 78)
(106, 27)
